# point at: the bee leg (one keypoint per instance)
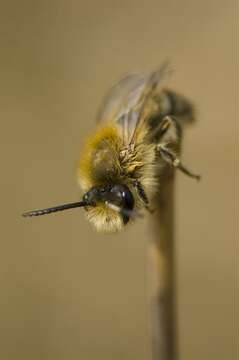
(164, 126)
(174, 161)
(168, 130)
(141, 192)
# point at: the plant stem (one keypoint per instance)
(162, 256)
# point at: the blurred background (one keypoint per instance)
(67, 292)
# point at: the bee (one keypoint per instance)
(138, 137)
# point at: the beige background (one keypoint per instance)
(67, 292)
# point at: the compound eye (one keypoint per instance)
(128, 199)
(123, 197)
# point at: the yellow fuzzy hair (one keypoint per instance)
(107, 132)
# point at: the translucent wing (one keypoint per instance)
(127, 102)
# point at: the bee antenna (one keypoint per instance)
(54, 209)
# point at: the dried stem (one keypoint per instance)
(162, 259)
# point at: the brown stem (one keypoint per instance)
(162, 259)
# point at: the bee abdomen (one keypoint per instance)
(176, 105)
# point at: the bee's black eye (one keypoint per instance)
(128, 198)
(123, 198)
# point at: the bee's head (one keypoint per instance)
(110, 205)
(115, 197)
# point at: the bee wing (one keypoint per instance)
(121, 97)
(127, 102)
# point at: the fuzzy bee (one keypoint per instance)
(137, 139)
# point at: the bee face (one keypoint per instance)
(113, 197)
